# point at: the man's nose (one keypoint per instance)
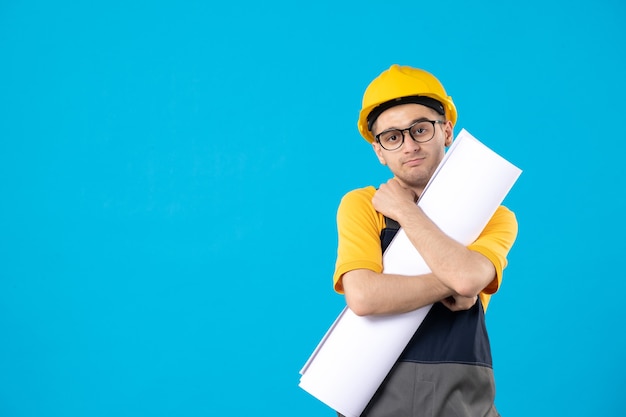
(409, 145)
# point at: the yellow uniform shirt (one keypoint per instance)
(359, 226)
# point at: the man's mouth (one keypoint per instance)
(414, 162)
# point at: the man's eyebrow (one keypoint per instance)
(420, 119)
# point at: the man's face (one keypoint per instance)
(413, 163)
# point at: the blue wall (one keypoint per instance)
(170, 171)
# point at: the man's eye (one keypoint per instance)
(391, 137)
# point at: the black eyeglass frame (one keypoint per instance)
(408, 129)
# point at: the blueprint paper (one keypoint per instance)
(357, 353)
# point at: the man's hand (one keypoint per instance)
(391, 199)
(459, 303)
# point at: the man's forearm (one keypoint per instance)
(368, 292)
(464, 271)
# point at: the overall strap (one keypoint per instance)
(387, 234)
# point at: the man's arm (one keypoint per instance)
(463, 271)
(368, 292)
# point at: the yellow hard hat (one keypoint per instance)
(403, 84)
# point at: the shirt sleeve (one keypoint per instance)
(495, 242)
(358, 232)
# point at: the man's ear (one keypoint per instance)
(378, 150)
(449, 132)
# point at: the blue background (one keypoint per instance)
(170, 171)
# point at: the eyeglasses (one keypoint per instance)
(420, 131)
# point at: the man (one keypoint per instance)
(446, 368)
